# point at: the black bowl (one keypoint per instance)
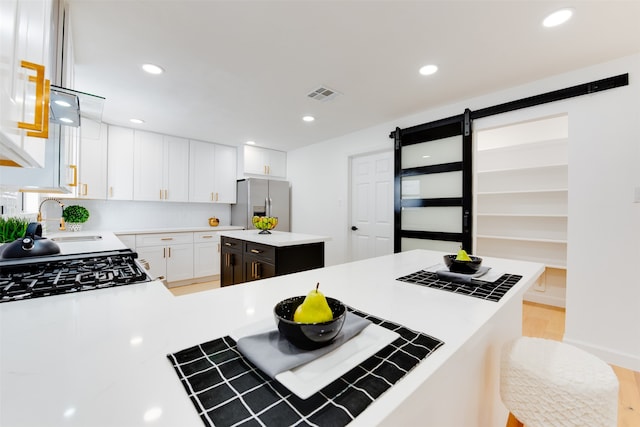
(467, 267)
(308, 336)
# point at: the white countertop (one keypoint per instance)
(177, 229)
(71, 242)
(276, 238)
(98, 358)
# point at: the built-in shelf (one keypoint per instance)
(521, 200)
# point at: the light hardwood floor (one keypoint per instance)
(537, 321)
(548, 322)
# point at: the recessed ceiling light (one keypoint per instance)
(251, 142)
(136, 121)
(308, 118)
(558, 17)
(152, 69)
(428, 69)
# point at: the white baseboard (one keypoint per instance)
(543, 298)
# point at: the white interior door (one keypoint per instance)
(371, 205)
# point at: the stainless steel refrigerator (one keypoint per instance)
(262, 197)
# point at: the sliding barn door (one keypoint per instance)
(433, 179)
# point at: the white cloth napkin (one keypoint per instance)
(272, 353)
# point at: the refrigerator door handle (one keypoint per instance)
(269, 211)
(267, 208)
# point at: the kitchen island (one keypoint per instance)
(248, 255)
(100, 358)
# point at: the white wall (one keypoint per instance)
(115, 215)
(603, 298)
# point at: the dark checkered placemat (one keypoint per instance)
(228, 390)
(490, 291)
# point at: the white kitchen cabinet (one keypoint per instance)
(170, 255)
(522, 199)
(263, 161)
(206, 254)
(120, 163)
(212, 174)
(160, 167)
(92, 162)
(26, 35)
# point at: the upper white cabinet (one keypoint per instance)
(161, 165)
(522, 198)
(263, 161)
(92, 162)
(120, 163)
(212, 172)
(25, 35)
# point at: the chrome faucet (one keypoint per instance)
(47, 199)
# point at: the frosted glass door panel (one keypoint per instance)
(446, 150)
(432, 186)
(409, 244)
(443, 219)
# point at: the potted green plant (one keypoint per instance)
(12, 228)
(74, 216)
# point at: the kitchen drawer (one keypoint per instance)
(262, 251)
(206, 236)
(230, 243)
(163, 239)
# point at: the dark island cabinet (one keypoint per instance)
(244, 261)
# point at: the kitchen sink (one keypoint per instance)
(63, 239)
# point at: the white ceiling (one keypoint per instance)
(241, 70)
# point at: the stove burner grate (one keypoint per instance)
(60, 275)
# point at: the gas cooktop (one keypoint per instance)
(26, 278)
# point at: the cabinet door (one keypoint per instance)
(93, 162)
(206, 259)
(25, 33)
(225, 174)
(277, 164)
(254, 160)
(201, 171)
(155, 256)
(179, 262)
(176, 172)
(256, 268)
(231, 267)
(148, 166)
(120, 163)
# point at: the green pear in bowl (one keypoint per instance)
(314, 308)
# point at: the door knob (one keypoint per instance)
(354, 228)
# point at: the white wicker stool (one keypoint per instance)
(545, 383)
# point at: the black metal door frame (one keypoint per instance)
(439, 129)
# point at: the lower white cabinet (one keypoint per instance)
(170, 255)
(206, 254)
(177, 256)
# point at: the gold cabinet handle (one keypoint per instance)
(74, 168)
(40, 127)
(85, 189)
(110, 192)
(164, 252)
(255, 251)
(206, 237)
(166, 194)
(161, 194)
(166, 238)
(227, 244)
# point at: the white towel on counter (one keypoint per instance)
(273, 353)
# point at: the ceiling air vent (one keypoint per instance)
(323, 93)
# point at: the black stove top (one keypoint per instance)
(26, 278)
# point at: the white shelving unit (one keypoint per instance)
(522, 199)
